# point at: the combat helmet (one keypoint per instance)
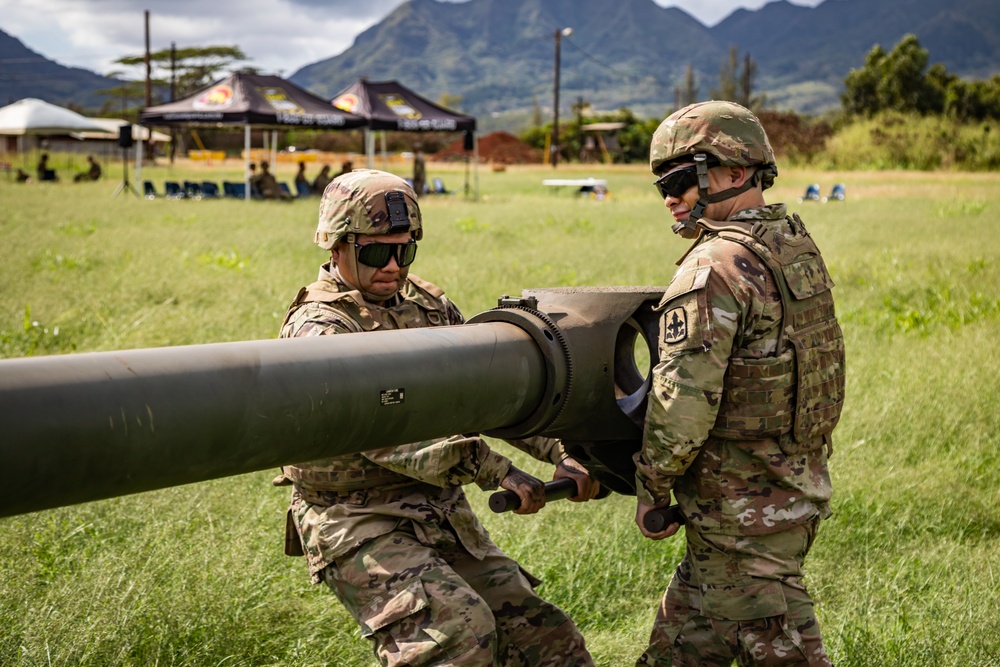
(366, 201)
(713, 133)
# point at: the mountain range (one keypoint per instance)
(25, 73)
(498, 55)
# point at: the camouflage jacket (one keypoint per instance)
(341, 502)
(729, 302)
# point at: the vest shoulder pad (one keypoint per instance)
(426, 286)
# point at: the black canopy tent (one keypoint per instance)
(389, 105)
(251, 100)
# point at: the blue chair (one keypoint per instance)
(302, 188)
(438, 187)
(812, 193)
(235, 190)
(173, 189)
(838, 193)
(284, 188)
(192, 190)
(209, 190)
(149, 190)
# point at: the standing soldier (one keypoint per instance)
(419, 171)
(390, 531)
(749, 386)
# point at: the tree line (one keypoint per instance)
(900, 81)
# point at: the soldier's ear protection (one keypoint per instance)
(399, 213)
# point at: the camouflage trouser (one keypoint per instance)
(423, 605)
(739, 598)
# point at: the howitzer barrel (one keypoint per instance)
(81, 427)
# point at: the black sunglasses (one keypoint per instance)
(676, 183)
(377, 255)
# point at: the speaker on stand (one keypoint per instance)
(468, 145)
(125, 142)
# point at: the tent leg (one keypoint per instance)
(138, 161)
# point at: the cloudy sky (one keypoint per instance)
(279, 36)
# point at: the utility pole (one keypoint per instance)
(554, 149)
(173, 97)
(149, 84)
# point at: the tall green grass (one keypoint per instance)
(905, 573)
(893, 140)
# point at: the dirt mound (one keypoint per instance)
(495, 147)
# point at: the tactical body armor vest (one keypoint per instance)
(418, 304)
(796, 396)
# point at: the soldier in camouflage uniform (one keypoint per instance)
(749, 386)
(390, 531)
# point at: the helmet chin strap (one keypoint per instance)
(704, 198)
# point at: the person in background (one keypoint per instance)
(345, 167)
(268, 185)
(390, 531)
(419, 171)
(322, 180)
(92, 174)
(302, 186)
(748, 389)
(43, 171)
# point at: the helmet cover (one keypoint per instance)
(355, 203)
(726, 131)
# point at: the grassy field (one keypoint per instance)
(905, 573)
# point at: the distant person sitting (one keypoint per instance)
(345, 167)
(22, 176)
(268, 185)
(322, 180)
(253, 177)
(92, 174)
(302, 185)
(43, 171)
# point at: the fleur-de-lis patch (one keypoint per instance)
(675, 327)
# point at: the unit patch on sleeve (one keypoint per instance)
(675, 328)
(684, 322)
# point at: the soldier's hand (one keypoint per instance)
(586, 486)
(530, 490)
(640, 514)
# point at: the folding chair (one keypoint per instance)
(812, 193)
(209, 190)
(192, 190)
(149, 190)
(173, 189)
(439, 188)
(302, 188)
(838, 193)
(284, 188)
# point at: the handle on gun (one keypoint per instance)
(557, 489)
(657, 520)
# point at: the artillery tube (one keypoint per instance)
(83, 427)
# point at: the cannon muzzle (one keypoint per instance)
(555, 362)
